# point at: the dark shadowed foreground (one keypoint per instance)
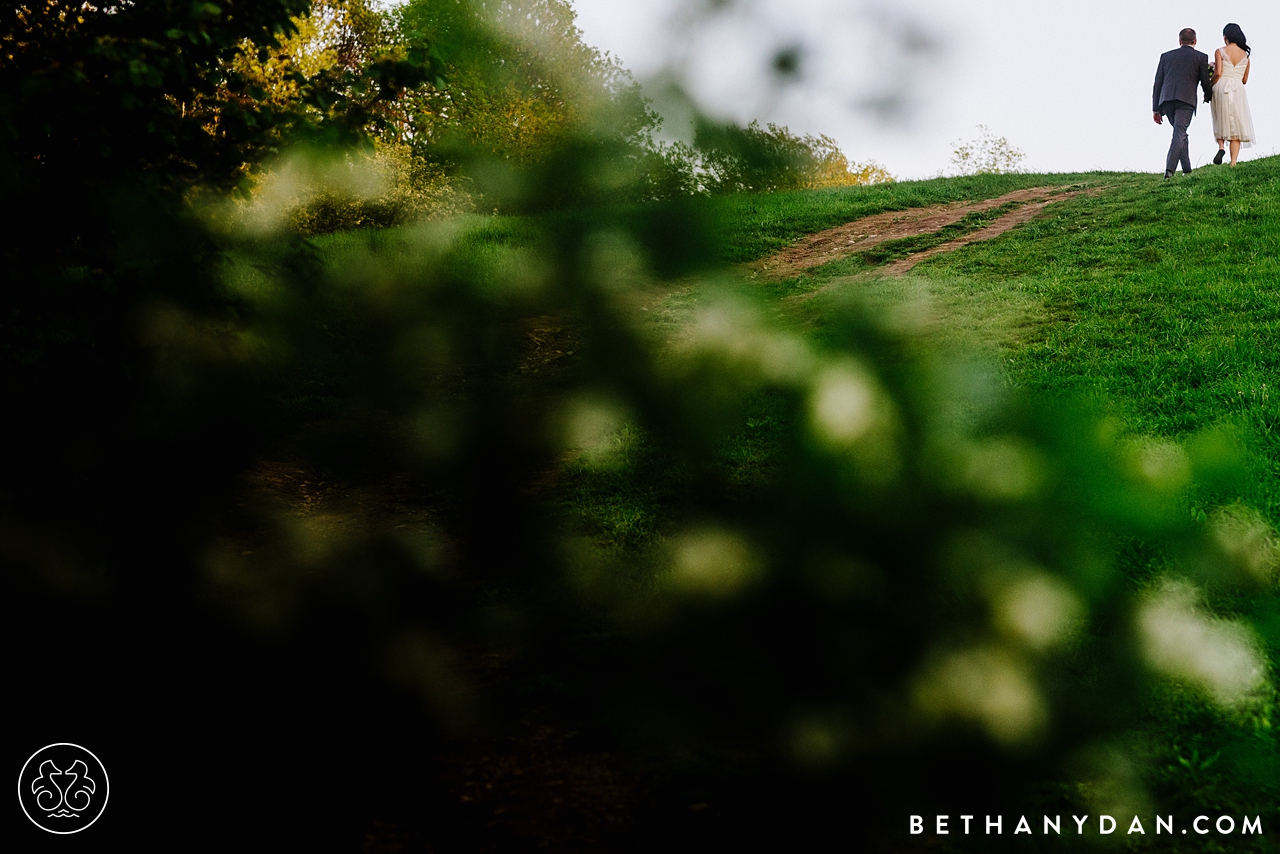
(436, 538)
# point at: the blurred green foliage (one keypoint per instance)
(328, 508)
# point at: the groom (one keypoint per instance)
(1175, 96)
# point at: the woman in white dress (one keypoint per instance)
(1231, 119)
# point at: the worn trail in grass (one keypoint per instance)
(1156, 300)
(863, 234)
(628, 507)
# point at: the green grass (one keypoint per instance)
(1157, 299)
(1156, 302)
(1149, 299)
(752, 226)
(962, 312)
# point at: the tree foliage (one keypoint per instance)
(522, 88)
(987, 155)
(119, 359)
(344, 35)
(526, 86)
(729, 159)
(521, 81)
(120, 104)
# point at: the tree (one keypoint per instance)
(987, 155)
(132, 405)
(729, 159)
(521, 80)
(831, 168)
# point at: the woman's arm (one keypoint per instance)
(1217, 65)
(1245, 79)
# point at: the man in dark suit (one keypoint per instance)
(1174, 96)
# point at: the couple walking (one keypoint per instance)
(1174, 96)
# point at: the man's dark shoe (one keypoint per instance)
(1217, 158)
(1168, 175)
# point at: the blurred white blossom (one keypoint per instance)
(1179, 639)
(986, 685)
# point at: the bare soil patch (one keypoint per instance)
(868, 232)
(1026, 213)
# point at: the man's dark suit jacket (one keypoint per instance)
(1176, 77)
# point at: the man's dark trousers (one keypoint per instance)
(1179, 114)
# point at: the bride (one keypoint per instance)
(1231, 119)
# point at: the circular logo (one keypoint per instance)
(63, 788)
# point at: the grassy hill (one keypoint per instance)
(1146, 305)
(1156, 300)
(1158, 303)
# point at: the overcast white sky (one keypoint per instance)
(899, 81)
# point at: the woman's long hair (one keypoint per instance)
(1235, 35)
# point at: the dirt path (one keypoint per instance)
(1013, 218)
(868, 232)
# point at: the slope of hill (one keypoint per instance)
(1147, 300)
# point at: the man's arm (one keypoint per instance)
(1155, 92)
(1206, 80)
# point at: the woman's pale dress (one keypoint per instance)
(1231, 118)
